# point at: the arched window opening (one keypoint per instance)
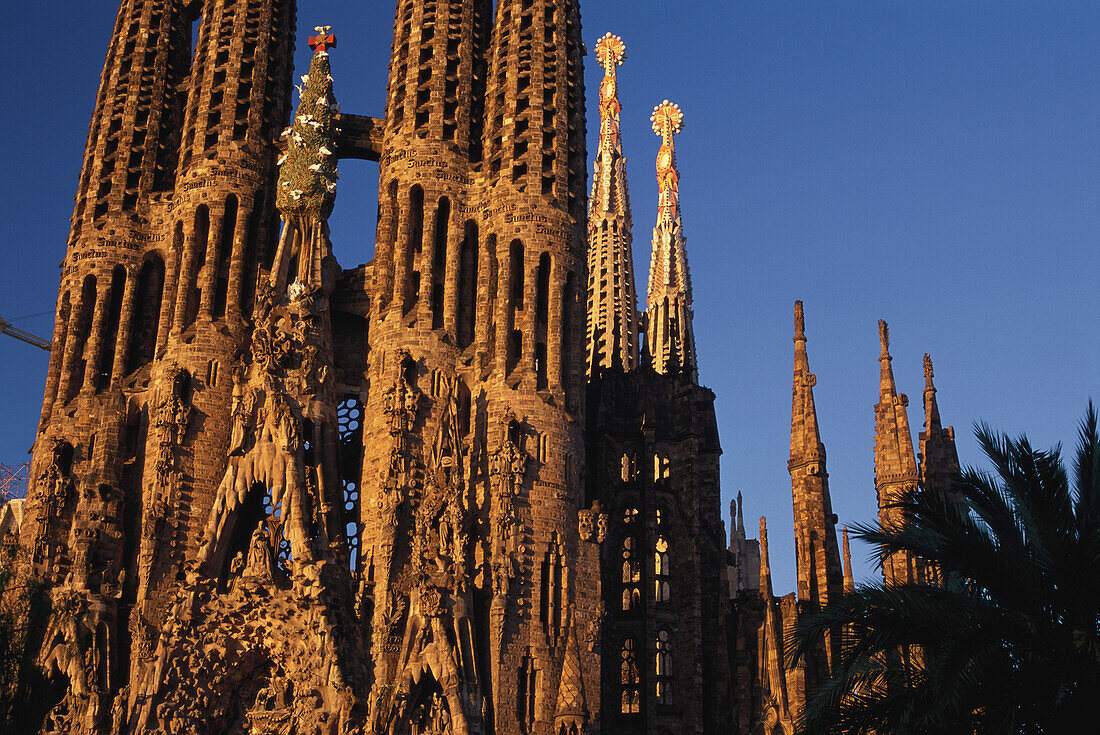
(439, 259)
(631, 563)
(182, 387)
(225, 256)
(629, 679)
(662, 467)
(65, 455)
(467, 286)
(349, 415)
(408, 370)
(109, 340)
(662, 690)
(662, 572)
(144, 318)
(79, 337)
(413, 247)
(629, 467)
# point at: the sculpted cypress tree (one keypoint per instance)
(1008, 643)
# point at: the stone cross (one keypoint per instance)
(324, 40)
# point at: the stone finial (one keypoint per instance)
(323, 41)
(929, 373)
(610, 52)
(884, 338)
(799, 323)
(668, 120)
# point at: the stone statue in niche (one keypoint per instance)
(275, 460)
(59, 488)
(171, 415)
(432, 660)
(261, 563)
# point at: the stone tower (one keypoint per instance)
(895, 462)
(473, 428)
(670, 338)
(820, 577)
(939, 459)
(613, 323)
(653, 475)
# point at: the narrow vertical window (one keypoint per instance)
(225, 257)
(349, 415)
(413, 247)
(105, 369)
(631, 564)
(629, 679)
(527, 690)
(663, 680)
(542, 317)
(439, 259)
(467, 288)
(661, 571)
(145, 316)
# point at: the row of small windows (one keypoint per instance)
(628, 467)
(661, 587)
(630, 678)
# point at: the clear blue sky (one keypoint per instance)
(933, 163)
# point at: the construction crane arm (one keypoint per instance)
(7, 328)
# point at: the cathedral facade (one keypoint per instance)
(464, 488)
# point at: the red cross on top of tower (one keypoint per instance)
(324, 39)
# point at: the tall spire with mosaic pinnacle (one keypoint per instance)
(820, 577)
(895, 462)
(670, 340)
(613, 319)
(307, 173)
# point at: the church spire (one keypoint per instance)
(820, 577)
(613, 321)
(669, 337)
(895, 463)
(849, 580)
(939, 459)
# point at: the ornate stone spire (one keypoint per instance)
(819, 570)
(765, 560)
(670, 340)
(849, 580)
(307, 172)
(895, 462)
(939, 459)
(613, 320)
(572, 709)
